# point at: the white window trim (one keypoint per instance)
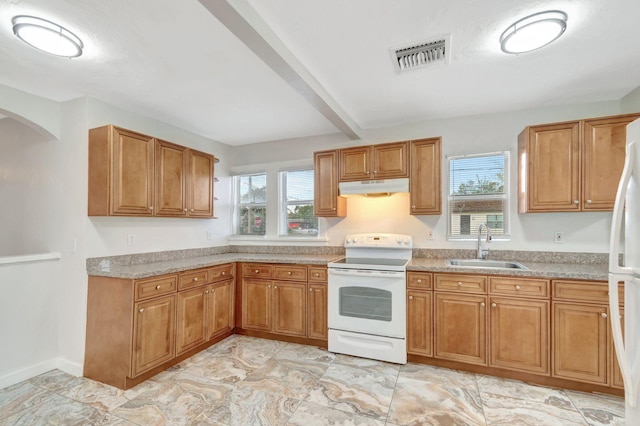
(506, 196)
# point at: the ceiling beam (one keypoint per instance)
(249, 27)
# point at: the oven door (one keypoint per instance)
(365, 301)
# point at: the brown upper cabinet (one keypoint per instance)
(424, 181)
(131, 174)
(327, 202)
(385, 161)
(571, 166)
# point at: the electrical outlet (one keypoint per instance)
(430, 235)
(131, 239)
(558, 238)
(209, 235)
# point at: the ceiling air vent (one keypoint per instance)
(418, 55)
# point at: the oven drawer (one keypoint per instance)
(293, 273)
(420, 280)
(257, 270)
(461, 283)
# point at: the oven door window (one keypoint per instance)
(365, 302)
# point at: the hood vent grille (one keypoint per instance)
(431, 52)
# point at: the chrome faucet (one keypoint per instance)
(483, 250)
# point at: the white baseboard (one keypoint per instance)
(37, 369)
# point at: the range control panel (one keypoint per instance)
(378, 240)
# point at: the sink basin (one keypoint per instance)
(483, 263)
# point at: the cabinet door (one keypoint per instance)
(153, 333)
(256, 304)
(290, 306)
(327, 202)
(419, 323)
(133, 179)
(220, 308)
(191, 326)
(317, 312)
(424, 183)
(616, 376)
(390, 160)
(171, 164)
(460, 327)
(519, 337)
(603, 158)
(553, 167)
(200, 184)
(355, 163)
(580, 336)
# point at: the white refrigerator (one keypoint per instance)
(625, 237)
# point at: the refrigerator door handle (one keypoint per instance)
(618, 341)
(618, 214)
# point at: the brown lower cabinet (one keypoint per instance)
(137, 328)
(284, 300)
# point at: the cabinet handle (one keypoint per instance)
(419, 280)
(289, 273)
(410, 297)
(141, 310)
(257, 271)
(375, 171)
(269, 286)
(316, 274)
(184, 210)
(150, 207)
(517, 287)
(482, 304)
(213, 291)
(459, 283)
(224, 273)
(493, 305)
(206, 292)
(603, 315)
(275, 287)
(158, 287)
(589, 201)
(413, 206)
(576, 202)
(193, 210)
(368, 172)
(195, 279)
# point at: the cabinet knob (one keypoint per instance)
(368, 172)
(184, 210)
(158, 287)
(589, 201)
(193, 210)
(493, 305)
(333, 208)
(603, 315)
(576, 202)
(459, 283)
(316, 274)
(206, 292)
(275, 286)
(213, 290)
(257, 271)
(289, 273)
(224, 272)
(517, 287)
(269, 286)
(195, 279)
(482, 304)
(150, 207)
(141, 310)
(310, 289)
(410, 297)
(413, 206)
(419, 280)
(375, 171)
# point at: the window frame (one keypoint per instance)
(505, 196)
(283, 203)
(238, 205)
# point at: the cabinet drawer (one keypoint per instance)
(461, 283)
(519, 286)
(420, 280)
(257, 270)
(193, 278)
(588, 291)
(156, 286)
(317, 274)
(221, 273)
(294, 273)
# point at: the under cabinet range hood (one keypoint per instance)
(374, 188)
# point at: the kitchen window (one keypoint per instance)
(478, 193)
(296, 204)
(251, 204)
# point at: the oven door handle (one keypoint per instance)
(365, 273)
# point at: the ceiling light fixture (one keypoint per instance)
(533, 32)
(47, 36)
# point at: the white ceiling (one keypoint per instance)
(246, 71)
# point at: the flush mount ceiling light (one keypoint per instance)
(533, 32)
(47, 36)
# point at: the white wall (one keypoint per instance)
(631, 102)
(584, 232)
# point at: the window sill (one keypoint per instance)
(244, 240)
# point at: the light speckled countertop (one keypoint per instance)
(567, 270)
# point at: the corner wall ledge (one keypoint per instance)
(6, 260)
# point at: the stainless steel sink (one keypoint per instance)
(484, 263)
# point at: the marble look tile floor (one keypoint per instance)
(248, 381)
